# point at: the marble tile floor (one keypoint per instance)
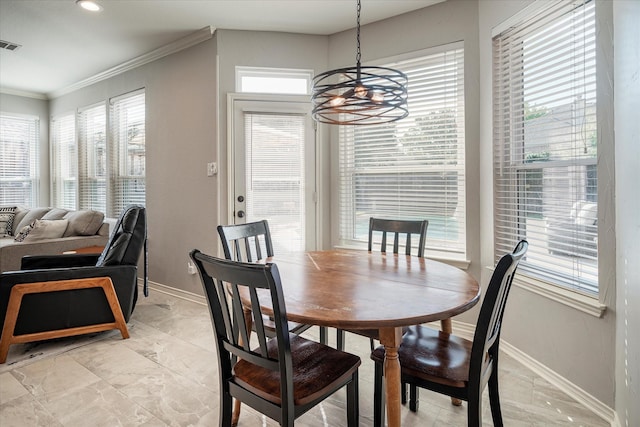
(166, 375)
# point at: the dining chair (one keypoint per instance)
(402, 230)
(251, 242)
(451, 365)
(284, 376)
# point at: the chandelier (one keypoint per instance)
(359, 95)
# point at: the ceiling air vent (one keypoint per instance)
(9, 46)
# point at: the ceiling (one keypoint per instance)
(62, 44)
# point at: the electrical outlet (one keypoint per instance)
(212, 168)
(191, 268)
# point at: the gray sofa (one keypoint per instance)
(47, 231)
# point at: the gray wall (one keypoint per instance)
(39, 108)
(180, 137)
(627, 105)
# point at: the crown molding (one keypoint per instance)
(24, 93)
(191, 40)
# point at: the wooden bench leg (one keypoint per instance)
(15, 299)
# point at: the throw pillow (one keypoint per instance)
(46, 229)
(24, 232)
(20, 212)
(7, 215)
(83, 223)
(55, 213)
(30, 216)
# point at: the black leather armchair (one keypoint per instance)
(44, 314)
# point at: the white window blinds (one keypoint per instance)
(128, 148)
(545, 137)
(92, 159)
(275, 175)
(64, 162)
(19, 177)
(413, 168)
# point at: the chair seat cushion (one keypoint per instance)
(316, 369)
(432, 355)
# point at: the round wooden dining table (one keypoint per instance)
(353, 289)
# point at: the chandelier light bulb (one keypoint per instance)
(360, 91)
(337, 101)
(377, 97)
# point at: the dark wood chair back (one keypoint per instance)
(252, 242)
(451, 365)
(398, 228)
(248, 242)
(486, 339)
(264, 376)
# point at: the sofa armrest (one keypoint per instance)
(34, 262)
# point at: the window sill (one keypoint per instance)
(461, 263)
(585, 303)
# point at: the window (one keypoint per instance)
(128, 148)
(275, 178)
(19, 162)
(273, 80)
(413, 168)
(545, 137)
(108, 163)
(92, 159)
(64, 162)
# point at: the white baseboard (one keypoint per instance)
(175, 292)
(600, 409)
(616, 421)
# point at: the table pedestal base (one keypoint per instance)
(391, 338)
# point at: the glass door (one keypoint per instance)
(273, 148)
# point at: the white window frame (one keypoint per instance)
(116, 172)
(9, 125)
(273, 80)
(120, 123)
(548, 284)
(64, 161)
(352, 231)
(88, 176)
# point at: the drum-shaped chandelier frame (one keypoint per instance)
(360, 95)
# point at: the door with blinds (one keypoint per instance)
(273, 149)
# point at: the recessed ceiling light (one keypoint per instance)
(89, 5)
